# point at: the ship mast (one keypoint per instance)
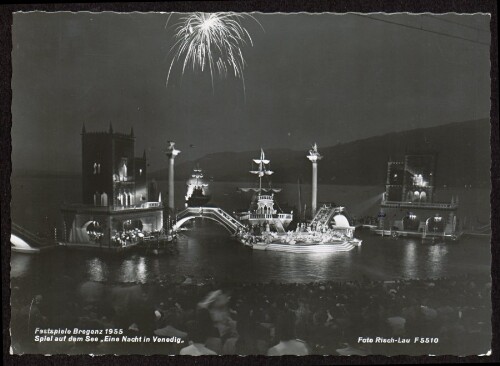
(197, 173)
(262, 169)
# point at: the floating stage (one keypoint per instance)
(300, 243)
(418, 234)
(144, 245)
(409, 208)
(97, 247)
(307, 248)
(328, 232)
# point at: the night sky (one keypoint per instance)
(326, 78)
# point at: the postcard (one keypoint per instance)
(231, 183)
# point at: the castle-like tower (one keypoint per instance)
(408, 204)
(115, 212)
(412, 179)
(111, 173)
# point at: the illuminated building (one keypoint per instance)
(408, 207)
(115, 210)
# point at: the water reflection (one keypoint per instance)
(410, 259)
(20, 264)
(97, 270)
(208, 252)
(133, 270)
(437, 258)
(141, 270)
(155, 266)
(324, 262)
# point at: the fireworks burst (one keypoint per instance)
(211, 41)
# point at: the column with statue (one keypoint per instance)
(314, 156)
(171, 153)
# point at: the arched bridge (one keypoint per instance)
(212, 213)
(24, 241)
(327, 213)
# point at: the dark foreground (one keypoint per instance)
(328, 317)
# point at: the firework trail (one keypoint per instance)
(211, 41)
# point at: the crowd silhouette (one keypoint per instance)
(266, 318)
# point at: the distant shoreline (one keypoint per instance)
(40, 175)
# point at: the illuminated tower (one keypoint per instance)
(314, 156)
(112, 175)
(171, 152)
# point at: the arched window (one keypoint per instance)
(97, 198)
(95, 168)
(122, 170)
(423, 197)
(104, 199)
(436, 224)
(416, 196)
(411, 222)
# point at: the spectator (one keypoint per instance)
(197, 333)
(285, 332)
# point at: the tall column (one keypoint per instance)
(314, 156)
(314, 198)
(171, 152)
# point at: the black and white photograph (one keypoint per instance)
(248, 183)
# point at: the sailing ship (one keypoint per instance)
(328, 232)
(197, 189)
(262, 214)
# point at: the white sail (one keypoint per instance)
(259, 161)
(275, 190)
(245, 190)
(261, 172)
(262, 159)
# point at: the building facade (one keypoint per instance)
(111, 173)
(408, 207)
(115, 209)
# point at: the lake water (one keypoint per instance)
(208, 252)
